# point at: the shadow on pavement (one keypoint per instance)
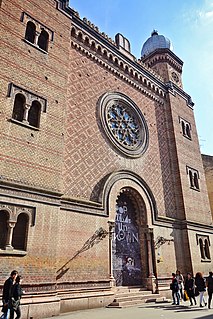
(181, 308)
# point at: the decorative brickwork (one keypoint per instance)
(66, 175)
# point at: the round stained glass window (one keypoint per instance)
(123, 124)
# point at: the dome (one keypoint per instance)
(156, 41)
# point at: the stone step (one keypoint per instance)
(121, 301)
(126, 294)
(134, 296)
(127, 290)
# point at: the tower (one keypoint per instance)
(157, 54)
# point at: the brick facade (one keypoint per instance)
(66, 175)
(208, 168)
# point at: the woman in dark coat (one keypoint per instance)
(210, 287)
(14, 303)
(190, 288)
(200, 284)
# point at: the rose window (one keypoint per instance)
(123, 124)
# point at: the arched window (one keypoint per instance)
(28, 107)
(3, 228)
(73, 32)
(206, 248)
(30, 32)
(196, 184)
(20, 232)
(34, 114)
(43, 40)
(202, 252)
(191, 179)
(188, 131)
(18, 109)
(183, 127)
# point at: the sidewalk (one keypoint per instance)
(147, 311)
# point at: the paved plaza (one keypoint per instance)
(148, 311)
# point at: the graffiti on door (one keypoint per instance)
(126, 245)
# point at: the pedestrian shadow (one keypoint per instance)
(179, 309)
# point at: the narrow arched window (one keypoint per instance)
(43, 40)
(188, 131)
(183, 127)
(196, 184)
(73, 32)
(3, 228)
(201, 249)
(34, 114)
(191, 179)
(206, 248)
(30, 32)
(20, 232)
(18, 109)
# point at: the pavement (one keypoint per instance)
(147, 311)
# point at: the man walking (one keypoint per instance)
(6, 291)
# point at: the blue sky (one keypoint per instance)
(189, 26)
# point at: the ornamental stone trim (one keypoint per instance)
(137, 85)
(15, 210)
(84, 42)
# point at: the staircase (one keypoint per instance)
(130, 296)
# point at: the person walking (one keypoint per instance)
(180, 281)
(6, 292)
(190, 288)
(209, 283)
(15, 296)
(175, 290)
(200, 284)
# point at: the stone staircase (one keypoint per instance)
(130, 296)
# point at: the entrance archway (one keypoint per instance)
(126, 243)
(139, 196)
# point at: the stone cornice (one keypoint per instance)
(117, 73)
(96, 45)
(163, 55)
(118, 66)
(87, 29)
(174, 89)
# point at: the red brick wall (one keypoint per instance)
(89, 156)
(38, 154)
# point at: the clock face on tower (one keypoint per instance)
(175, 77)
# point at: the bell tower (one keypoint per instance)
(157, 54)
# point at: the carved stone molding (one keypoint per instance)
(131, 73)
(15, 210)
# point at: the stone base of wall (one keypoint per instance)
(40, 306)
(85, 300)
(43, 305)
